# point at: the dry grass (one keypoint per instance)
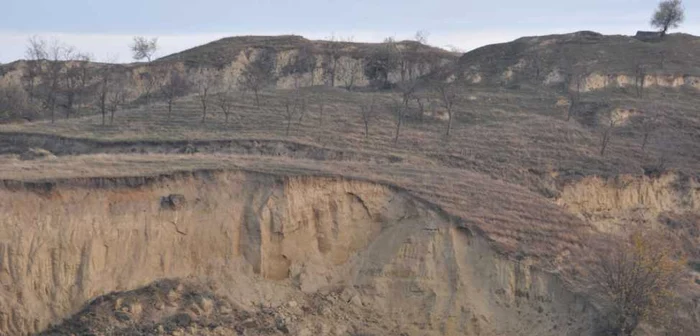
(516, 136)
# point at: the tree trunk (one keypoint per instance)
(226, 116)
(604, 144)
(366, 129)
(111, 115)
(398, 130)
(204, 113)
(289, 125)
(52, 106)
(257, 99)
(571, 111)
(644, 141)
(170, 107)
(449, 122)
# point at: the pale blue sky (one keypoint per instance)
(105, 28)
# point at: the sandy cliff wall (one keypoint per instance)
(609, 203)
(262, 237)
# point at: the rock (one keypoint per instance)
(356, 301)
(350, 295)
(206, 304)
(122, 316)
(249, 323)
(173, 202)
(292, 304)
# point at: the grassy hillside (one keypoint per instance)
(533, 58)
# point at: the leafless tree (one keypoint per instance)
(75, 80)
(421, 37)
(291, 107)
(149, 82)
(576, 79)
(303, 62)
(447, 95)
(176, 85)
(321, 109)
(226, 99)
(421, 101)
(117, 96)
(332, 54)
(399, 112)
(258, 74)
(85, 74)
(144, 48)
(651, 121)
(15, 103)
(203, 82)
(36, 54)
(670, 14)
(381, 62)
(349, 71)
(368, 113)
(302, 107)
(609, 121)
(53, 73)
(634, 280)
(535, 63)
(640, 75)
(103, 89)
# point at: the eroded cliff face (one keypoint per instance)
(263, 238)
(610, 203)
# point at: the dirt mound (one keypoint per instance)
(189, 307)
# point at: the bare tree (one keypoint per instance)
(651, 121)
(332, 54)
(53, 73)
(85, 75)
(290, 111)
(203, 83)
(36, 54)
(349, 71)
(15, 103)
(175, 86)
(150, 81)
(225, 99)
(103, 89)
(576, 79)
(670, 14)
(634, 280)
(399, 112)
(144, 48)
(421, 37)
(302, 107)
(381, 62)
(640, 75)
(321, 109)
(258, 74)
(117, 96)
(303, 62)
(447, 95)
(75, 80)
(368, 113)
(609, 121)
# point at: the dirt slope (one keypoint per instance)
(264, 239)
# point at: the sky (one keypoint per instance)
(106, 28)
